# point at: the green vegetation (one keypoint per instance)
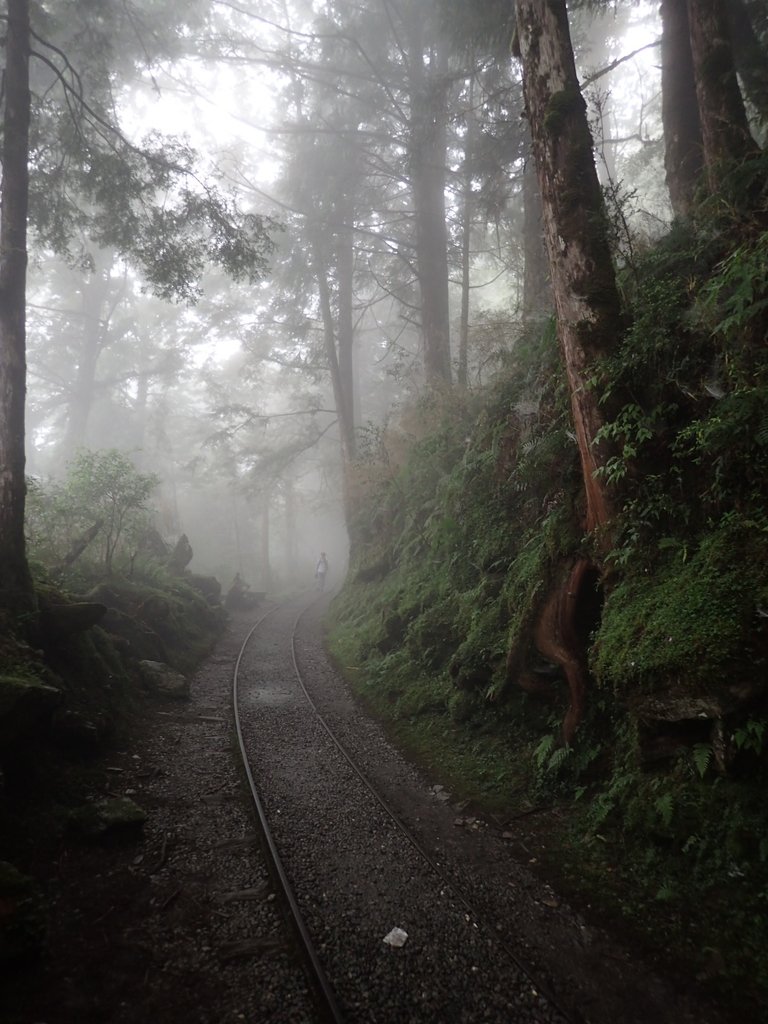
(109, 594)
(466, 532)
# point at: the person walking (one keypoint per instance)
(321, 571)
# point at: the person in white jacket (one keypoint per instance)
(321, 571)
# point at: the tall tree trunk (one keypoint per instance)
(266, 564)
(16, 590)
(467, 214)
(683, 156)
(94, 295)
(291, 528)
(750, 57)
(427, 160)
(582, 274)
(724, 126)
(585, 294)
(345, 270)
(342, 398)
(537, 292)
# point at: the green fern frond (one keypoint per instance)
(702, 758)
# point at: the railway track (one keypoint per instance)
(354, 875)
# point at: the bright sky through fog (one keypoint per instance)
(223, 109)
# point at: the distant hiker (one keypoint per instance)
(239, 595)
(321, 571)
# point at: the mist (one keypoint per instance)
(379, 162)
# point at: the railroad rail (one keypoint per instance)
(480, 964)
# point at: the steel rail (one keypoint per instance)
(411, 838)
(319, 978)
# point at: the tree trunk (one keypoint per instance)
(345, 269)
(342, 399)
(466, 236)
(584, 290)
(266, 564)
(582, 274)
(724, 127)
(537, 292)
(427, 159)
(16, 591)
(750, 57)
(94, 295)
(683, 157)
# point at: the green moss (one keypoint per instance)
(690, 619)
(561, 108)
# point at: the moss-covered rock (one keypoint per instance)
(25, 702)
(22, 915)
(119, 818)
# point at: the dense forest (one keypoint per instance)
(473, 296)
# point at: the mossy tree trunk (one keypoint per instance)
(537, 293)
(585, 295)
(725, 132)
(581, 270)
(750, 57)
(16, 591)
(683, 159)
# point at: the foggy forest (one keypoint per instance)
(469, 296)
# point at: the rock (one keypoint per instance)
(74, 732)
(240, 597)
(181, 555)
(142, 641)
(58, 621)
(22, 918)
(208, 586)
(162, 679)
(677, 708)
(119, 816)
(24, 704)
(154, 608)
(152, 543)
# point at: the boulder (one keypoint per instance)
(181, 555)
(24, 705)
(74, 732)
(22, 916)
(116, 817)
(208, 586)
(139, 639)
(672, 707)
(58, 621)
(163, 680)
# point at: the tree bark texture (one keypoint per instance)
(427, 159)
(467, 213)
(342, 399)
(581, 270)
(683, 156)
(345, 272)
(537, 292)
(16, 590)
(724, 127)
(750, 58)
(94, 295)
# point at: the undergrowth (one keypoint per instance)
(456, 548)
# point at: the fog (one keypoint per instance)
(378, 161)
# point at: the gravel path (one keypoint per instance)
(181, 926)
(357, 877)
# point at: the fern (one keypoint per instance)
(702, 758)
(543, 750)
(558, 759)
(665, 808)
